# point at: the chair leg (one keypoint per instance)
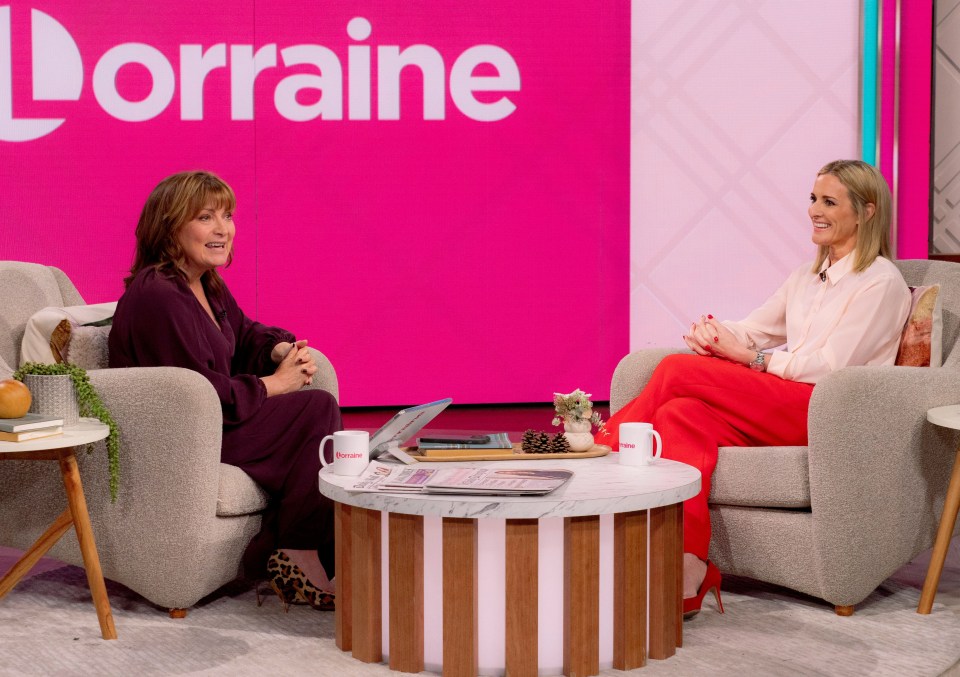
(178, 613)
(843, 610)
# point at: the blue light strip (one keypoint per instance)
(868, 86)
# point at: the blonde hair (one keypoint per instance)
(175, 201)
(865, 185)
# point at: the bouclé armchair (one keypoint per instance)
(183, 519)
(837, 517)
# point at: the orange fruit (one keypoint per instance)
(14, 399)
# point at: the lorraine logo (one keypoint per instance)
(57, 74)
(371, 75)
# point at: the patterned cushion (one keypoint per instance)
(921, 344)
(82, 345)
(35, 346)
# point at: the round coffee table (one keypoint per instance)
(61, 448)
(645, 504)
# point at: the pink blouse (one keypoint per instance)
(846, 319)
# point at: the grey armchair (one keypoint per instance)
(837, 517)
(183, 519)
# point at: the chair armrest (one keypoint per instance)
(326, 376)
(163, 537)
(878, 469)
(632, 374)
(171, 427)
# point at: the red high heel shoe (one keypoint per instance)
(691, 605)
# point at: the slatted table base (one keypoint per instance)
(358, 622)
(521, 582)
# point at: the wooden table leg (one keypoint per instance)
(36, 552)
(581, 596)
(678, 537)
(406, 592)
(344, 610)
(521, 581)
(460, 616)
(629, 590)
(366, 590)
(948, 518)
(88, 548)
(664, 563)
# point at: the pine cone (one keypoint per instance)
(532, 442)
(559, 444)
(542, 444)
(528, 442)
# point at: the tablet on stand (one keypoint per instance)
(404, 425)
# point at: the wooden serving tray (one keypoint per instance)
(517, 455)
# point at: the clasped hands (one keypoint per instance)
(710, 338)
(295, 368)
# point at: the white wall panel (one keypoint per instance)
(735, 106)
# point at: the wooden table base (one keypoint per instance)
(521, 579)
(365, 598)
(629, 590)
(405, 533)
(358, 614)
(75, 515)
(581, 596)
(461, 629)
(666, 558)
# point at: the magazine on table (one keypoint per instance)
(465, 481)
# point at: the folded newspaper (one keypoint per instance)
(486, 481)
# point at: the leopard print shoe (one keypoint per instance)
(293, 587)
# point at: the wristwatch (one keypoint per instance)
(759, 362)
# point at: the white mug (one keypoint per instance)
(351, 451)
(636, 443)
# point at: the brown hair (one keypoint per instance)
(865, 185)
(175, 201)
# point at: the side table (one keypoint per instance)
(645, 504)
(61, 448)
(947, 417)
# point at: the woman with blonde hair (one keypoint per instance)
(177, 312)
(847, 308)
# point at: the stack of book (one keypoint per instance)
(29, 427)
(446, 445)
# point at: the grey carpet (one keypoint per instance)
(48, 627)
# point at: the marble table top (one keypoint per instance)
(599, 486)
(86, 431)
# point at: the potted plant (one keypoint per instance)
(575, 411)
(88, 404)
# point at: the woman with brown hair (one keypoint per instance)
(177, 312)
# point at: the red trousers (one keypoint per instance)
(698, 404)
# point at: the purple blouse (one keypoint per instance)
(160, 323)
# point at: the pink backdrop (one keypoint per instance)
(486, 260)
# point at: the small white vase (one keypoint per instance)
(578, 434)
